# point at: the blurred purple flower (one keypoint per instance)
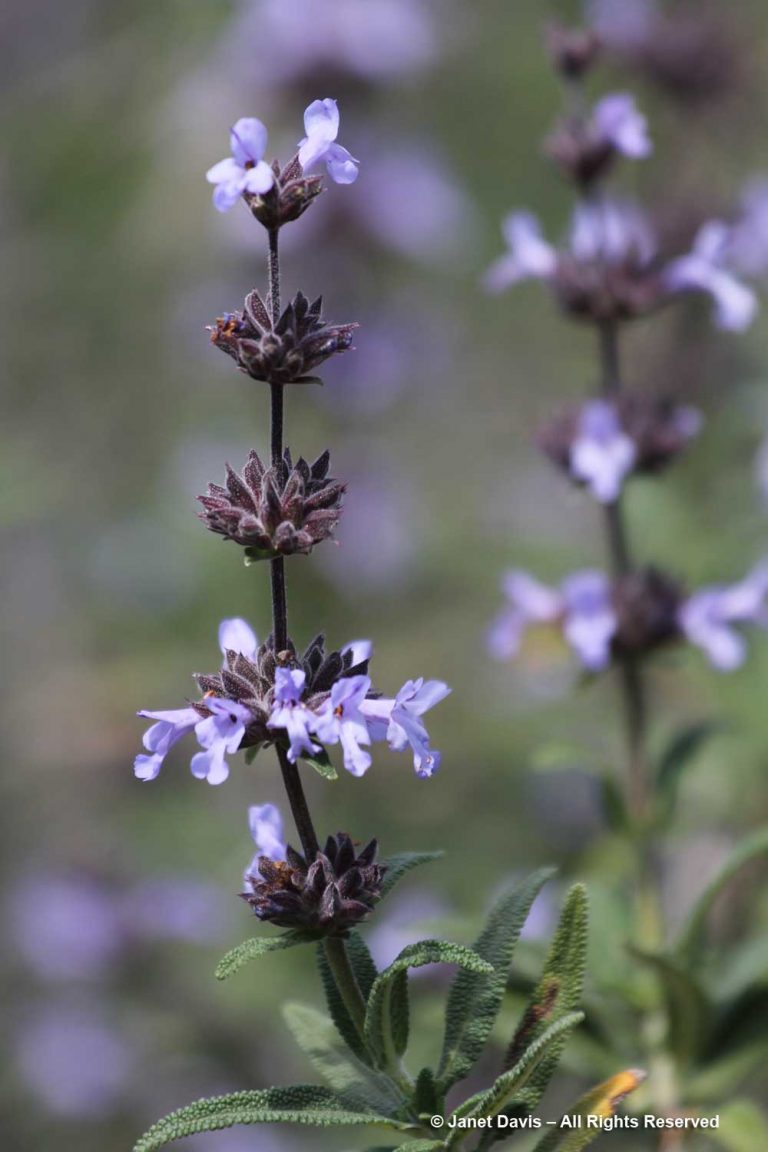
(624, 25)
(175, 908)
(321, 124)
(748, 240)
(709, 616)
(431, 221)
(218, 734)
(245, 170)
(617, 121)
(74, 1061)
(581, 607)
(266, 824)
(616, 235)
(374, 40)
(401, 922)
(706, 269)
(65, 927)
(340, 720)
(601, 454)
(289, 713)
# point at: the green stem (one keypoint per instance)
(346, 982)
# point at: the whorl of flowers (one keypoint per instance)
(275, 511)
(285, 352)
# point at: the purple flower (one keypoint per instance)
(80, 934)
(612, 231)
(705, 269)
(601, 453)
(530, 602)
(218, 734)
(589, 619)
(708, 617)
(529, 257)
(236, 635)
(321, 124)
(340, 720)
(161, 737)
(289, 713)
(618, 122)
(245, 170)
(582, 607)
(748, 242)
(399, 721)
(266, 824)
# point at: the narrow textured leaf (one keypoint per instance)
(401, 864)
(688, 1009)
(400, 1010)
(356, 1082)
(300, 1104)
(365, 972)
(750, 849)
(378, 1019)
(680, 753)
(426, 1099)
(601, 1101)
(474, 1000)
(252, 949)
(558, 990)
(493, 1099)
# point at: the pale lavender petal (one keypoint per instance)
(266, 824)
(589, 623)
(236, 635)
(259, 179)
(361, 650)
(225, 172)
(701, 620)
(248, 141)
(342, 166)
(225, 196)
(210, 765)
(704, 270)
(536, 601)
(618, 121)
(601, 453)
(529, 256)
(321, 120)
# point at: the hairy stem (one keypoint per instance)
(346, 982)
(291, 776)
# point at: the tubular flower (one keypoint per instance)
(321, 124)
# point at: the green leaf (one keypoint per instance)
(379, 1024)
(359, 1084)
(721, 1078)
(300, 1104)
(681, 751)
(743, 1127)
(491, 1101)
(750, 849)
(688, 1009)
(365, 973)
(321, 762)
(401, 864)
(558, 991)
(255, 947)
(400, 1010)
(426, 1098)
(474, 1000)
(601, 1101)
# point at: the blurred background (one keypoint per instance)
(118, 897)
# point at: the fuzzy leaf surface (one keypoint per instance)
(558, 991)
(474, 1000)
(253, 948)
(300, 1104)
(378, 1018)
(492, 1100)
(355, 1081)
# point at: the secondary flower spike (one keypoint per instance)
(611, 269)
(321, 124)
(245, 170)
(586, 149)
